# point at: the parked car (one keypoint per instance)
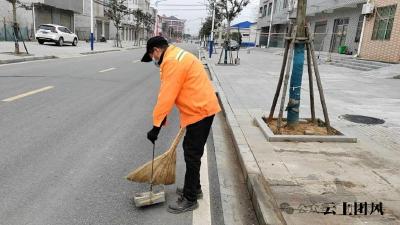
(55, 33)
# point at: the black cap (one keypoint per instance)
(156, 41)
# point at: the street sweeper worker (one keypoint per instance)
(184, 83)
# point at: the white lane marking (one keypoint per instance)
(27, 94)
(107, 70)
(202, 215)
(136, 61)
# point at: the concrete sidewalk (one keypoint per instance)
(301, 181)
(50, 50)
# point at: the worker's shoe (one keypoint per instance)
(182, 205)
(199, 192)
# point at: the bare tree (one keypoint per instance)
(148, 22)
(139, 17)
(116, 10)
(229, 10)
(16, 4)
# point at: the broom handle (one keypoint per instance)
(177, 138)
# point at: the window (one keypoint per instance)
(285, 4)
(47, 27)
(67, 30)
(265, 11)
(359, 28)
(269, 8)
(384, 18)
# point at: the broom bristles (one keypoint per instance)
(164, 167)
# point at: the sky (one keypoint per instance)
(195, 12)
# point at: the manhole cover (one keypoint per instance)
(362, 119)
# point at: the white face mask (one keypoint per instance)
(156, 62)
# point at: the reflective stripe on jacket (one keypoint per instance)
(184, 83)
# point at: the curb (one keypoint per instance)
(111, 50)
(265, 205)
(98, 52)
(9, 61)
(271, 137)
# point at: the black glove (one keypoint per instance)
(153, 134)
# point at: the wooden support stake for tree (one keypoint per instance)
(310, 79)
(281, 75)
(22, 38)
(319, 84)
(287, 75)
(220, 56)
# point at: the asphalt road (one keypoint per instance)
(64, 151)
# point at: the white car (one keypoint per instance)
(57, 34)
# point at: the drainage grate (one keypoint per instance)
(362, 119)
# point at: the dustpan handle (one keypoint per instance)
(152, 168)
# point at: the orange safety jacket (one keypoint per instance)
(185, 83)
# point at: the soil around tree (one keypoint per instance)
(304, 127)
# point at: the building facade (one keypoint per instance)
(381, 36)
(38, 12)
(74, 14)
(128, 24)
(103, 27)
(172, 27)
(158, 26)
(333, 23)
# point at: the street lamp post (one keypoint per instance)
(91, 26)
(212, 31)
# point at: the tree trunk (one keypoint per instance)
(117, 35)
(15, 26)
(228, 31)
(136, 37)
(293, 108)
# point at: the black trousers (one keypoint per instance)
(193, 148)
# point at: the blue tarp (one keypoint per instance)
(243, 25)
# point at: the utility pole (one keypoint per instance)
(362, 34)
(34, 20)
(91, 26)
(270, 23)
(293, 107)
(212, 30)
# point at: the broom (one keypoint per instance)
(160, 170)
